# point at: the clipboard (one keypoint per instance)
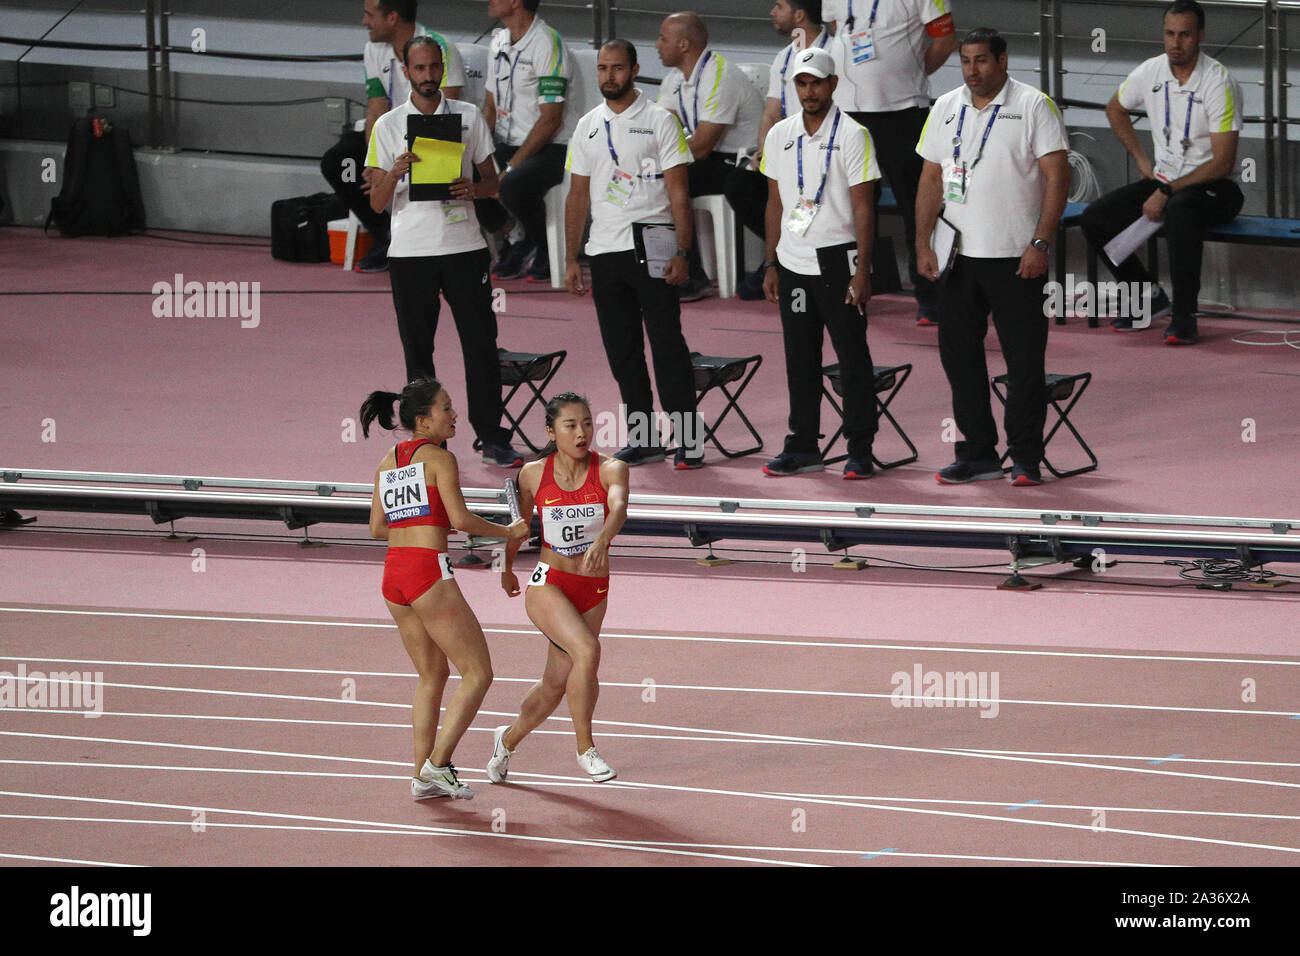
(945, 240)
(838, 264)
(655, 244)
(441, 127)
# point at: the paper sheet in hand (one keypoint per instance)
(439, 161)
(943, 240)
(1131, 239)
(656, 243)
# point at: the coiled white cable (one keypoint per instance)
(1084, 186)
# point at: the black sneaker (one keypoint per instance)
(376, 260)
(1182, 331)
(1160, 307)
(685, 462)
(1026, 476)
(514, 263)
(751, 287)
(693, 290)
(960, 472)
(794, 463)
(541, 268)
(503, 456)
(926, 316)
(635, 455)
(859, 468)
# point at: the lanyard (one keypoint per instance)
(820, 43)
(609, 138)
(830, 149)
(956, 140)
(690, 130)
(502, 54)
(1187, 127)
(870, 23)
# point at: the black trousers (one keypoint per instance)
(971, 290)
(746, 190)
(522, 191)
(1188, 213)
(811, 305)
(345, 179)
(895, 135)
(461, 278)
(628, 299)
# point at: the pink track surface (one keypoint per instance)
(768, 734)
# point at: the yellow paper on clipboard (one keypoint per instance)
(440, 161)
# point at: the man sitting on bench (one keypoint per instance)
(1195, 110)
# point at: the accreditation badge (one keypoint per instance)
(618, 190)
(957, 184)
(863, 45)
(1168, 167)
(801, 216)
(453, 212)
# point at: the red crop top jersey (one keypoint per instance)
(571, 520)
(403, 494)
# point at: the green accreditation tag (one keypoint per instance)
(552, 86)
(454, 212)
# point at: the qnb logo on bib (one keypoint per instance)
(403, 493)
(570, 529)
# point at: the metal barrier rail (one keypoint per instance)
(1025, 533)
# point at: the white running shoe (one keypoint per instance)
(499, 765)
(420, 790)
(444, 780)
(595, 765)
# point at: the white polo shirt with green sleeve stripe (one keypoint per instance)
(715, 92)
(521, 76)
(1004, 195)
(852, 162)
(1211, 94)
(384, 76)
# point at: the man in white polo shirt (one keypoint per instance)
(437, 247)
(821, 168)
(528, 77)
(390, 24)
(746, 189)
(883, 46)
(995, 163)
(1195, 110)
(628, 161)
(717, 105)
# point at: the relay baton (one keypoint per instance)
(512, 499)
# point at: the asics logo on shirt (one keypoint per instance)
(788, 145)
(951, 117)
(592, 133)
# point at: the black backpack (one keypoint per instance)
(299, 226)
(101, 191)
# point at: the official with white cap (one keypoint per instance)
(821, 167)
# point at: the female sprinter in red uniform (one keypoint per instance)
(582, 500)
(417, 498)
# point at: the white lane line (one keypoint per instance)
(1168, 759)
(628, 784)
(627, 635)
(920, 700)
(640, 843)
(553, 780)
(1085, 808)
(923, 856)
(623, 784)
(59, 859)
(393, 726)
(936, 751)
(405, 827)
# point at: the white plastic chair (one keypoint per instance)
(554, 201)
(718, 243)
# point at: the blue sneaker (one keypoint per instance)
(503, 456)
(960, 472)
(856, 468)
(1026, 476)
(633, 455)
(794, 463)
